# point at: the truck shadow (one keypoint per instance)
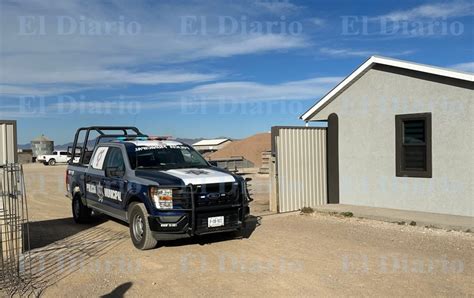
(252, 223)
(60, 247)
(43, 233)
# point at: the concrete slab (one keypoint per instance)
(432, 220)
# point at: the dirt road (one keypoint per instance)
(303, 255)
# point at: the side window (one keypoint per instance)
(190, 157)
(413, 145)
(187, 156)
(55, 153)
(114, 159)
(63, 153)
(97, 161)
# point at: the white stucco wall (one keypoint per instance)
(367, 112)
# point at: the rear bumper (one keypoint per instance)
(196, 223)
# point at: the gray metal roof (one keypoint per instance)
(212, 142)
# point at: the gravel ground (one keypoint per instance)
(259, 189)
(287, 254)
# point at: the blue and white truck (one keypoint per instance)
(162, 188)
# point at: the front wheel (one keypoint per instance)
(52, 162)
(140, 231)
(80, 213)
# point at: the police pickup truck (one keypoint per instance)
(162, 188)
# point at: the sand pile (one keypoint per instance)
(250, 148)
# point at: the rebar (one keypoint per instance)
(15, 274)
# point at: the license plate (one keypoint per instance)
(217, 221)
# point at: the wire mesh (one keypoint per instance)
(15, 275)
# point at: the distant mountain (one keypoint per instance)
(57, 147)
(24, 146)
(188, 141)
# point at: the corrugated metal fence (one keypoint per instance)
(299, 171)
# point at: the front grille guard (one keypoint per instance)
(184, 197)
(240, 203)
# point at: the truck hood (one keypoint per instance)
(193, 176)
(201, 176)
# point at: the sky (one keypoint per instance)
(205, 68)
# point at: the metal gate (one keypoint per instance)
(15, 270)
(299, 168)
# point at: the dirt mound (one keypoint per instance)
(250, 148)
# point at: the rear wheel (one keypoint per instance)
(140, 231)
(52, 162)
(80, 213)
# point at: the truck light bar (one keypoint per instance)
(159, 138)
(141, 138)
(144, 138)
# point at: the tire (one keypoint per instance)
(140, 232)
(45, 163)
(80, 213)
(52, 162)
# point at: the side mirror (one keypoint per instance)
(114, 172)
(213, 163)
(248, 179)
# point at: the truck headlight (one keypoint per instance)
(162, 197)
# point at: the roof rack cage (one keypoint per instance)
(102, 131)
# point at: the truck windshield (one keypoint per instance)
(166, 157)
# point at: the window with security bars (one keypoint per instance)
(413, 145)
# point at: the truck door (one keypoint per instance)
(114, 186)
(94, 174)
(63, 157)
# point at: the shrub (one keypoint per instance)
(307, 210)
(347, 214)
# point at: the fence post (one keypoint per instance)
(273, 185)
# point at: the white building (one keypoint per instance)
(211, 145)
(400, 135)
